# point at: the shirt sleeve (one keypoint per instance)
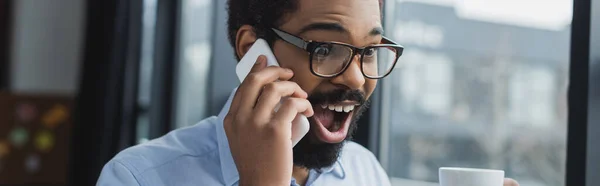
(115, 173)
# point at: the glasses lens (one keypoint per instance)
(378, 61)
(330, 59)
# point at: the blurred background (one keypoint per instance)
(501, 84)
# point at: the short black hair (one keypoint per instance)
(262, 15)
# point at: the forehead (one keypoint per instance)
(359, 17)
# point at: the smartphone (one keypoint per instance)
(300, 125)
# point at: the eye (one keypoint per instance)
(322, 51)
(370, 52)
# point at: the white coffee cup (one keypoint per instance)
(454, 176)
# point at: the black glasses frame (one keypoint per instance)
(310, 46)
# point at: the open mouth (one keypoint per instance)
(333, 120)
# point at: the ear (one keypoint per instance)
(245, 37)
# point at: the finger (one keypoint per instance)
(254, 83)
(272, 94)
(260, 64)
(289, 109)
(510, 182)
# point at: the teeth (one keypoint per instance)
(339, 108)
(348, 108)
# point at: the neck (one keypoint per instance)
(300, 174)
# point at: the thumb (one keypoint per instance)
(261, 62)
(510, 182)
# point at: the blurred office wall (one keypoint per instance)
(46, 46)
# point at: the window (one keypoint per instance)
(482, 84)
(193, 71)
(145, 74)
(531, 97)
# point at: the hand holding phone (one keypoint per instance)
(300, 125)
(265, 119)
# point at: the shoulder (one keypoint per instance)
(197, 140)
(193, 148)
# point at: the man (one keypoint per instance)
(330, 52)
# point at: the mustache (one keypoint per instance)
(336, 96)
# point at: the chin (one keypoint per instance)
(313, 152)
(333, 123)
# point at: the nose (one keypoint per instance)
(352, 77)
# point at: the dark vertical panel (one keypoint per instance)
(99, 93)
(131, 74)
(578, 94)
(165, 63)
(593, 148)
(103, 112)
(5, 35)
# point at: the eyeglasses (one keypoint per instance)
(330, 59)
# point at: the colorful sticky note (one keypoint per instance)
(26, 112)
(44, 141)
(56, 115)
(32, 164)
(4, 149)
(18, 137)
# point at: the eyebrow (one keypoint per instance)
(337, 28)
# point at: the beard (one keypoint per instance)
(312, 153)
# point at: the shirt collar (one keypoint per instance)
(336, 169)
(228, 168)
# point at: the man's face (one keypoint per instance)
(355, 22)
